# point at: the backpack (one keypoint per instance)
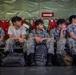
(14, 59)
(40, 54)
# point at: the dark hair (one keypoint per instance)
(16, 18)
(72, 17)
(39, 21)
(61, 21)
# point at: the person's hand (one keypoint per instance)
(52, 38)
(63, 29)
(41, 40)
(37, 39)
(21, 40)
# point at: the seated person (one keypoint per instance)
(58, 37)
(72, 36)
(38, 35)
(16, 34)
(2, 34)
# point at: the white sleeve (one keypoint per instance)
(10, 30)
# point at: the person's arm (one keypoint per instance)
(2, 38)
(61, 34)
(23, 36)
(45, 38)
(52, 35)
(46, 35)
(12, 37)
(37, 39)
(72, 35)
(52, 38)
(70, 31)
(33, 36)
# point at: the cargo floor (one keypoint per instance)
(53, 70)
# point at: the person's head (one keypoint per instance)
(61, 23)
(39, 24)
(16, 21)
(72, 19)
